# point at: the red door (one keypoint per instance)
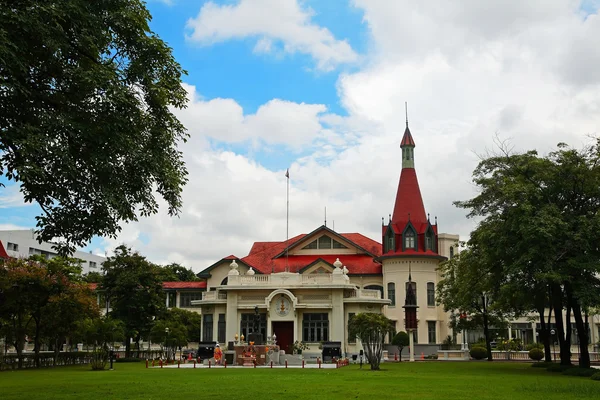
(284, 330)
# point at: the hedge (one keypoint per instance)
(478, 353)
(11, 361)
(536, 354)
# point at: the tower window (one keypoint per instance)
(431, 294)
(409, 239)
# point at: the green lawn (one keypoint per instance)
(425, 380)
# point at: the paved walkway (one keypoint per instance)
(201, 366)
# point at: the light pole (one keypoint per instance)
(167, 343)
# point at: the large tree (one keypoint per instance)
(86, 123)
(546, 213)
(371, 329)
(133, 288)
(177, 273)
(469, 283)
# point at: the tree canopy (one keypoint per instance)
(133, 288)
(371, 329)
(86, 123)
(541, 228)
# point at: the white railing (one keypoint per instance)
(368, 293)
(317, 278)
(214, 295)
(251, 279)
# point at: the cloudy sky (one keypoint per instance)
(320, 86)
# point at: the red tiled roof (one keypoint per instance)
(407, 139)
(170, 285)
(262, 256)
(409, 201)
(3, 253)
(231, 257)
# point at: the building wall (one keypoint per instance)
(27, 244)
(423, 271)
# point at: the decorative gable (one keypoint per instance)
(324, 243)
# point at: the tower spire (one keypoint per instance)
(406, 112)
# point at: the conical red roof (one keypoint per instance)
(409, 201)
(407, 139)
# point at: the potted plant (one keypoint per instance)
(298, 347)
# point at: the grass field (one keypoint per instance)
(428, 380)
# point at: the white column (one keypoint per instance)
(231, 317)
(177, 300)
(509, 332)
(411, 341)
(535, 333)
(337, 327)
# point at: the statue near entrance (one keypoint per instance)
(256, 336)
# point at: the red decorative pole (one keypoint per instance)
(410, 314)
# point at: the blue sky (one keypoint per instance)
(320, 86)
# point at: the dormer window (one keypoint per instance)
(428, 242)
(430, 239)
(409, 239)
(391, 245)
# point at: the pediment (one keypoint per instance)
(317, 267)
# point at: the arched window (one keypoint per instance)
(224, 281)
(409, 239)
(431, 294)
(414, 287)
(391, 289)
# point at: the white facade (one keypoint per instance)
(23, 243)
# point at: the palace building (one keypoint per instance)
(308, 287)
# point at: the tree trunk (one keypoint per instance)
(38, 329)
(582, 333)
(486, 331)
(56, 351)
(557, 304)
(545, 334)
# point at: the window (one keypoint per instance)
(350, 339)
(451, 251)
(414, 286)
(338, 245)
(221, 328)
(315, 327)
(431, 332)
(391, 244)
(171, 299)
(431, 294)
(325, 242)
(247, 325)
(93, 264)
(391, 288)
(185, 299)
(207, 328)
(12, 246)
(224, 281)
(428, 242)
(409, 239)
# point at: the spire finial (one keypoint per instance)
(389, 218)
(382, 221)
(427, 216)
(406, 112)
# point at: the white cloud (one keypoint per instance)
(525, 70)
(11, 196)
(284, 21)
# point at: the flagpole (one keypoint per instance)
(287, 220)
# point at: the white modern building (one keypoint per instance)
(23, 243)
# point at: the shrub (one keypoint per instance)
(478, 353)
(536, 354)
(586, 372)
(532, 346)
(596, 376)
(127, 360)
(559, 367)
(542, 364)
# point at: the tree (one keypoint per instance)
(171, 334)
(401, 339)
(468, 283)
(371, 329)
(189, 319)
(86, 123)
(101, 334)
(93, 277)
(133, 288)
(545, 210)
(42, 298)
(177, 273)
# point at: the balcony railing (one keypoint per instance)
(358, 293)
